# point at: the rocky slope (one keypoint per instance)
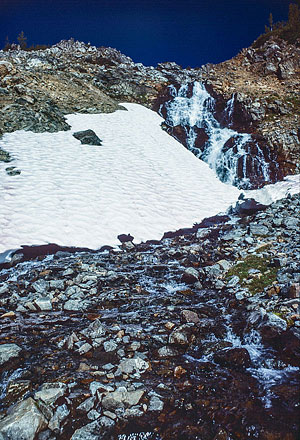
(195, 336)
(38, 88)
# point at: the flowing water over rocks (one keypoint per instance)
(237, 158)
(194, 336)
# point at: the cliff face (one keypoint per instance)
(265, 82)
(38, 88)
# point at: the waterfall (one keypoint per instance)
(236, 158)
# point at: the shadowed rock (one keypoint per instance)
(87, 137)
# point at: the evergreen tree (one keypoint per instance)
(7, 44)
(294, 16)
(271, 21)
(22, 40)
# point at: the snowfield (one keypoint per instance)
(140, 181)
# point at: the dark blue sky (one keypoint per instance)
(190, 32)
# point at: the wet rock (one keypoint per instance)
(272, 326)
(190, 316)
(8, 352)
(87, 137)
(24, 422)
(12, 171)
(190, 276)
(95, 330)
(16, 389)
(182, 335)
(237, 358)
(166, 352)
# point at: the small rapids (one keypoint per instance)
(144, 296)
(235, 157)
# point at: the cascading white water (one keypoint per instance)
(231, 164)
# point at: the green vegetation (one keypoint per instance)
(259, 281)
(288, 31)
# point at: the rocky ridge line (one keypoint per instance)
(38, 88)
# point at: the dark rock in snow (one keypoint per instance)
(248, 207)
(124, 238)
(87, 137)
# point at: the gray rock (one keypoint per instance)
(130, 366)
(41, 286)
(233, 281)
(93, 415)
(43, 304)
(213, 271)
(224, 264)
(190, 276)
(156, 404)
(3, 288)
(181, 336)
(95, 330)
(110, 346)
(95, 430)
(72, 304)
(59, 416)
(121, 398)
(87, 405)
(50, 392)
(291, 223)
(272, 326)
(23, 423)
(9, 351)
(166, 352)
(85, 348)
(58, 284)
(87, 137)
(95, 386)
(258, 230)
(190, 316)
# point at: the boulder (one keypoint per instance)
(182, 335)
(124, 238)
(87, 137)
(190, 276)
(23, 423)
(50, 392)
(95, 430)
(9, 351)
(236, 358)
(130, 366)
(121, 398)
